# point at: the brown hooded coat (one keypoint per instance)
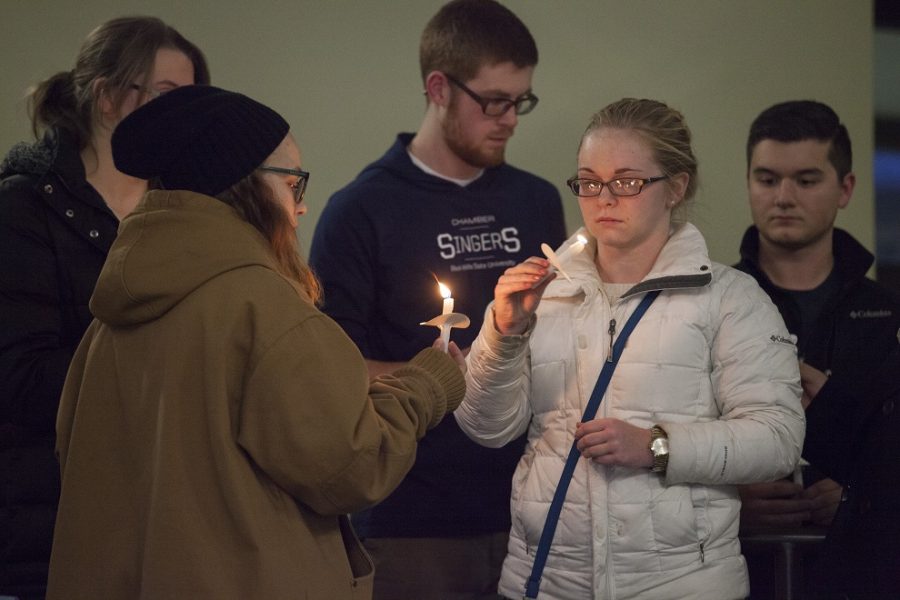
(215, 428)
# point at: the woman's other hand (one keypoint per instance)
(614, 442)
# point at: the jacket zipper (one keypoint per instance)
(612, 332)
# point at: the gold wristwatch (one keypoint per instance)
(659, 446)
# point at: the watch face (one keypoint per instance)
(659, 446)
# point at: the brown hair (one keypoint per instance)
(799, 120)
(252, 198)
(464, 35)
(663, 128)
(118, 53)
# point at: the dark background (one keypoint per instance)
(886, 166)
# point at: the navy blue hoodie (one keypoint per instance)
(379, 246)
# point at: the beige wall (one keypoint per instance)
(345, 75)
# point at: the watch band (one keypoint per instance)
(659, 446)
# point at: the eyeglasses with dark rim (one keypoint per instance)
(497, 107)
(154, 94)
(299, 186)
(584, 187)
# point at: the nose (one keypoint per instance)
(609, 198)
(784, 193)
(301, 208)
(509, 118)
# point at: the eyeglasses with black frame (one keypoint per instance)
(497, 107)
(584, 187)
(153, 93)
(299, 186)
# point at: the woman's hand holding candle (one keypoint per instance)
(455, 353)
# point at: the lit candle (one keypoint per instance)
(575, 247)
(448, 319)
(448, 298)
(448, 308)
(556, 259)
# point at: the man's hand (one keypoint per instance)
(774, 504)
(825, 497)
(812, 381)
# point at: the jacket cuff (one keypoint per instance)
(500, 344)
(450, 379)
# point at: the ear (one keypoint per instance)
(437, 88)
(678, 184)
(847, 185)
(102, 98)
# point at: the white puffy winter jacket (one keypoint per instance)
(711, 362)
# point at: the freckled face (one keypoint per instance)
(623, 223)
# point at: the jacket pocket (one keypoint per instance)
(361, 565)
(674, 517)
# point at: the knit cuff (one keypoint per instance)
(449, 377)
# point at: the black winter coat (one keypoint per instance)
(858, 446)
(55, 233)
(852, 424)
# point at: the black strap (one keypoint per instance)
(543, 549)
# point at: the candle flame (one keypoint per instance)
(581, 239)
(445, 291)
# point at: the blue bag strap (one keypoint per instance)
(543, 549)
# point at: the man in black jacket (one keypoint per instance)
(856, 443)
(799, 175)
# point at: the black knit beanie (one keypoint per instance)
(197, 137)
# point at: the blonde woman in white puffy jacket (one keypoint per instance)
(706, 394)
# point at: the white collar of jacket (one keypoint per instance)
(682, 263)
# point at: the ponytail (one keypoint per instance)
(54, 103)
(115, 55)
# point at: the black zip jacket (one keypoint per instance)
(55, 232)
(852, 337)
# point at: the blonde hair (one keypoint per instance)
(663, 128)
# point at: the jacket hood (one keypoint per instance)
(172, 244)
(30, 158)
(682, 263)
(54, 153)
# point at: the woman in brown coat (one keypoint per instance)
(215, 427)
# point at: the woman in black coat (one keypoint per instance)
(61, 200)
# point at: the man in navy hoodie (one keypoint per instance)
(441, 205)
